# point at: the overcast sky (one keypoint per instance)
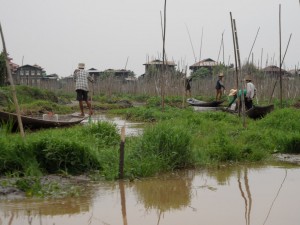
(58, 34)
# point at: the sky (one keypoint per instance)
(125, 34)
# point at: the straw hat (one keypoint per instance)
(232, 92)
(81, 65)
(221, 75)
(248, 78)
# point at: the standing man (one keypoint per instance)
(251, 91)
(188, 87)
(219, 87)
(81, 77)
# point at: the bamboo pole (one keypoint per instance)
(261, 57)
(184, 88)
(240, 69)
(201, 45)
(280, 68)
(164, 62)
(191, 42)
(234, 46)
(253, 44)
(280, 65)
(220, 46)
(223, 47)
(12, 85)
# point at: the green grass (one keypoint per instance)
(34, 100)
(173, 138)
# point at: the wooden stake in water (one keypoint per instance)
(122, 153)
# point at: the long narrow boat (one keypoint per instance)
(42, 121)
(256, 112)
(195, 102)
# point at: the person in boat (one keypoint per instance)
(81, 78)
(235, 98)
(251, 92)
(220, 88)
(188, 87)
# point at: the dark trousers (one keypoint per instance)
(248, 103)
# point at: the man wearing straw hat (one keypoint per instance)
(81, 78)
(219, 87)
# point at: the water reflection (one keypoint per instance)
(132, 128)
(165, 193)
(245, 194)
(123, 201)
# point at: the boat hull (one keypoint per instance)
(40, 122)
(256, 112)
(195, 102)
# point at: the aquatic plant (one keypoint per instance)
(165, 146)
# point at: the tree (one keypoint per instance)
(3, 70)
(200, 73)
(249, 68)
(221, 68)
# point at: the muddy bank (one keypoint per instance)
(53, 186)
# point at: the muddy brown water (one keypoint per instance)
(236, 195)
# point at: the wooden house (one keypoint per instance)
(29, 75)
(158, 66)
(121, 74)
(274, 71)
(205, 63)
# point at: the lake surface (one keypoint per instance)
(236, 195)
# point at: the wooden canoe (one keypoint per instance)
(256, 112)
(195, 102)
(42, 121)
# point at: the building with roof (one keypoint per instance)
(29, 75)
(158, 65)
(274, 70)
(205, 63)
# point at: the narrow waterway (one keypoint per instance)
(245, 194)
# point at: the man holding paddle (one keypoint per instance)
(81, 77)
(219, 87)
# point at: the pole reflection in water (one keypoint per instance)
(247, 198)
(284, 179)
(123, 201)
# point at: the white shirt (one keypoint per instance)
(250, 90)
